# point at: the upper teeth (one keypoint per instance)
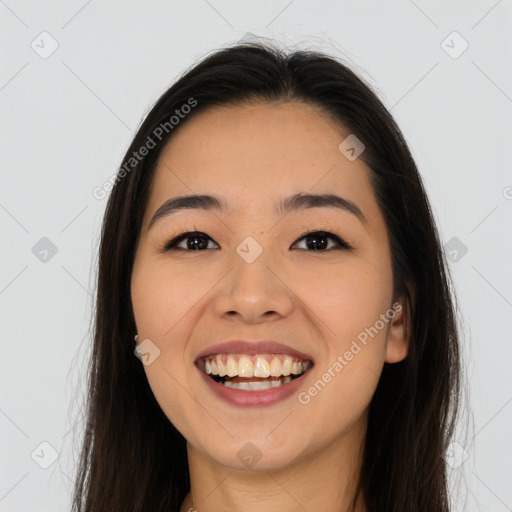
(265, 365)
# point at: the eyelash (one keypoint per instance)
(171, 245)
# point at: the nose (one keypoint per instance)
(254, 292)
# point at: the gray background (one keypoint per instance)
(68, 118)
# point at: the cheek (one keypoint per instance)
(167, 380)
(163, 310)
(163, 295)
(347, 299)
(350, 302)
(161, 300)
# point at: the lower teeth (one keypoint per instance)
(257, 386)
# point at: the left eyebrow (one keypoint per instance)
(294, 202)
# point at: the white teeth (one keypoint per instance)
(261, 368)
(279, 365)
(257, 386)
(296, 368)
(231, 367)
(245, 367)
(221, 367)
(286, 367)
(275, 367)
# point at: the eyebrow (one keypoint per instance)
(296, 202)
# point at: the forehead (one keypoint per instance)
(254, 154)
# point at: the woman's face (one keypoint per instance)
(251, 275)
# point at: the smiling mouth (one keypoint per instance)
(253, 372)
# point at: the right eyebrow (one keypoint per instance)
(299, 201)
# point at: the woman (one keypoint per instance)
(269, 244)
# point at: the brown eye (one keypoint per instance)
(318, 241)
(198, 241)
(194, 241)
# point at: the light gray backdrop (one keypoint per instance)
(75, 81)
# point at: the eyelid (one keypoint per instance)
(328, 234)
(175, 240)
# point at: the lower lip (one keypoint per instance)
(263, 397)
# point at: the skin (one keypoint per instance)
(316, 301)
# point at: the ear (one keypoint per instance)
(397, 346)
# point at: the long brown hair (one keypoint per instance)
(132, 458)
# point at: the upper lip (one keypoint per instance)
(253, 348)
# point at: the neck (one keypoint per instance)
(323, 481)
